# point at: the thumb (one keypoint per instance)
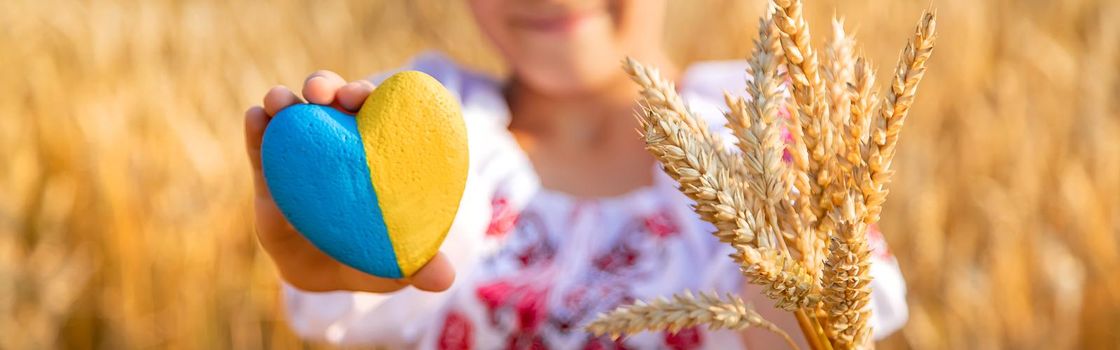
(436, 276)
(351, 96)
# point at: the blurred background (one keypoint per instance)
(125, 192)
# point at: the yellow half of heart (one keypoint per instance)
(416, 148)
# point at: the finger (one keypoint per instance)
(436, 276)
(278, 98)
(306, 267)
(320, 87)
(256, 120)
(351, 96)
(355, 280)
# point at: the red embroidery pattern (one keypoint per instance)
(527, 341)
(526, 303)
(492, 296)
(457, 333)
(531, 309)
(503, 217)
(686, 339)
(523, 301)
(579, 303)
(661, 225)
(620, 257)
(532, 245)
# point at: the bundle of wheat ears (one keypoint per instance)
(799, 229)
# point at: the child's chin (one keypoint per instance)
(573, 78)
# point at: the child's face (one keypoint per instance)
(570, 46)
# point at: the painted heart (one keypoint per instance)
(377, 191)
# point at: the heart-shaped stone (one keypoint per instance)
(378, 191)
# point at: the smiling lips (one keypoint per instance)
(555, 23)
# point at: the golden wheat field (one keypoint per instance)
(125, 192)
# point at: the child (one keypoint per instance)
(565, 214)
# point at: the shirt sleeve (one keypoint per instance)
(399, 320)
(888, 289)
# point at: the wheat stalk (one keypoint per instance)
(785, 280)
(684, 310)
(813, 121)
(846, 292)
(766, 59)
(863, 102)
(894, 109)
(661, 95)
(847, 279)
(693, 165)
(723, 203)
(758, 137)
(756, 127)
(838, 66)
(841, 164)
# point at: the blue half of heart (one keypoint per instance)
(315, 167)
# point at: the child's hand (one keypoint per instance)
(299, 262)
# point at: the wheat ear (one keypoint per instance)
(838, 69)
(755, 123)
(811, 95)
(757, 128)
(702, 178)
(838, 65)
(783, 279)
(660, 94)
(846, 293)
(682, 311)
(766, 59)
(894, 110)
(863, 102)
(760, 141)
(722, 202)
(846, 280)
